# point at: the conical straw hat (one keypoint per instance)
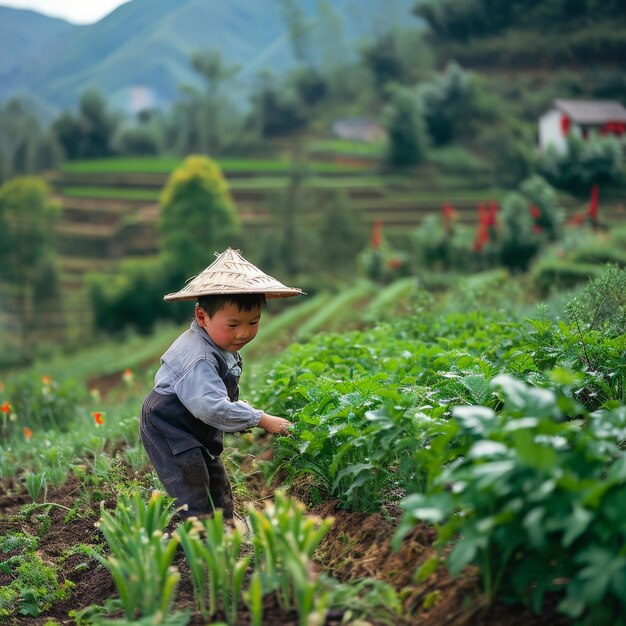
(230, 273)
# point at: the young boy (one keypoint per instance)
(195, 398)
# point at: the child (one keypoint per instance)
(195, 398)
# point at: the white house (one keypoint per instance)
(600, 116)
(359, 129)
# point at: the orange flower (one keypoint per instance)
(28, 433)
(98, 418)
(128, 376)
(46, 380)
(5, 408)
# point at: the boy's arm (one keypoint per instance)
(273, 424)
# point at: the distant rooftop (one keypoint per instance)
(592, 111)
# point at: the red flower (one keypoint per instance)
(534, 211)
(98, 418)
(377, 235)
(28, 433)
(5, 408)
(394, 264)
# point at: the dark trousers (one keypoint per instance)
(194, 477)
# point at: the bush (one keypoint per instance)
(132, 296)
(595, 160)
(32, 404)
(551, 274)
(534, 499)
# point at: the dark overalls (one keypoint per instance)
(185, 451)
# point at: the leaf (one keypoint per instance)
(486, 448)
(351, 469)
(465, 551)
(473, 418)
(535, 455)
(534, 524)
(577, 524)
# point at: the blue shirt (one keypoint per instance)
(189, 369)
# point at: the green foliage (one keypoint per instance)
(132, 296)
(542, 196)
(26, 220)
(449, 104)
(216, 569)
(90, 133)
(520, 243)
(553, 274)
(141, 559)
(595, 160)
(197, 215)
(535, 499)
(41, 404)
(405, 127)
(383, 59)
(27, 253)
(324, 316)
(34, 586)
(602, 304)
(25, 147)
(438, 244)
(284, 540)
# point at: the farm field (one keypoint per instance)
(455, 459)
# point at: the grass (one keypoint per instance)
(122, 193)
(349, 148)
(165, 165)
(109, 357)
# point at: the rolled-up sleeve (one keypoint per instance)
(204, 394)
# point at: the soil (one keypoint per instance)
(357, 546)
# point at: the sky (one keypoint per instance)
(75, 11)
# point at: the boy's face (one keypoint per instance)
(230, 329)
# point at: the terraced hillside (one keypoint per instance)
(110, 207)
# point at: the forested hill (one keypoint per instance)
(147, 44)
(509, 34)
(24, 34)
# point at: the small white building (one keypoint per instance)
(605, 117)
(359, 129)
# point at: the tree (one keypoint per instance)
(90, 133)
(197, 216)
(208, 110)
(27, 252)
(519, 243)
(276, 110)
(382, 58)
(25, 148)
(405, 128)
(449, 103)
(595, 160)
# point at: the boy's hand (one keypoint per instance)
(273, 424)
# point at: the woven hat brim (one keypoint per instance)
(180, 296)
(230, 273)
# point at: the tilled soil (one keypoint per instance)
(357, 546)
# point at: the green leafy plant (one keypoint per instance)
(218, 571)
(284, 539)
(533, 497)
(141, 559)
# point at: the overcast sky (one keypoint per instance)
(76, 11)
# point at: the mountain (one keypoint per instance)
(139, 55)
(23, 34)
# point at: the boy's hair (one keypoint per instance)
(244, 301)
